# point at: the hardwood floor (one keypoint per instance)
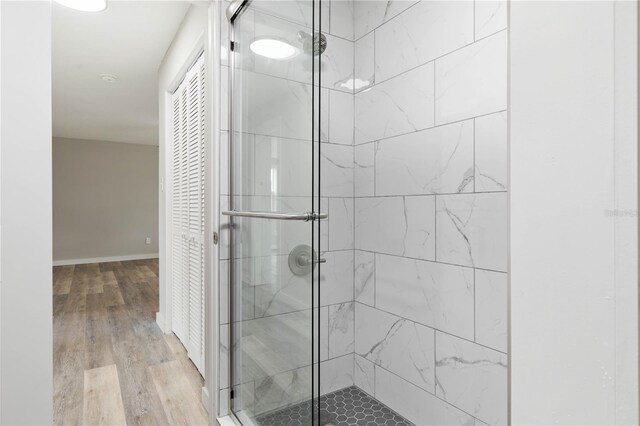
(112, 365)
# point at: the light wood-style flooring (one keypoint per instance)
(111, 363)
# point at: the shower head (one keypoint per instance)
(316, 43)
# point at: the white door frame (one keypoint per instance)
(210, 45)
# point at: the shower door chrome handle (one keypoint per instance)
(306, 217)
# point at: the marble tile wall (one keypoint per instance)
(431, 209)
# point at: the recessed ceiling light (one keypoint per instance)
(272, 47)
(84, 5)
(108, 78)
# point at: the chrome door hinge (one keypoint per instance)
(216, 238)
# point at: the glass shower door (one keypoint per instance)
(274, 209)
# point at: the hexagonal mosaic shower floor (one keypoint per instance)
(346, 407)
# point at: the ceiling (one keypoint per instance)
(129, 40)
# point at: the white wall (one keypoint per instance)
(105, 202)
(25, 184)
(573, 160)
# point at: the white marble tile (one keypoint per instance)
(472, 377)
(277, 289)
(275, 344)
(364, 285)
(369, 14)
(398, 345)
(491, 17)
(269, 100)
(472, 81)
(341, 121)
(223, 361)
(279, 166)
(281, 390)
(224, 41)
(224, 291)
(336, 277)
(418, 406)
(258, 238)
(472, 230)
(324, 332)
(429, 30)
(403, 104)
(223, 405)
(224, 94)
(340, 223)
(223, 163)
(298, 11)
(337, 170)
(342, 18)
(341, 323)
(324, 225)
(491, 152)
(363, 374)
(337, 64)
(402, 226)
(325, 114)
(364, 65)
(433, 161)
(433, 294)
(363, 170)
(336, 374)
(491, 309)
(224, 228)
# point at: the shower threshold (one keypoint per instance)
(346, 407)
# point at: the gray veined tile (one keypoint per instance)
(337, 170)
(433, 161)
(336, 277)
(336, 373)
(341, 223)
(472, 377)
(433, 294)
(364, 65)
(277, 289)
(429, 30)
(281, 389)
(396, 344)
(363, 374)
(491, 309)
(341, 323)
(472, 230)
(337, 64)
(491, 17)
(472, 81)
(342, 18)
(341, 121)
(363, 170)
(403, 104)
(417, 405)
(491, 152)
(402, 226)
(224, 356)
(368, 15)
(364, 276)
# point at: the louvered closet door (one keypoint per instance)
(188, 210)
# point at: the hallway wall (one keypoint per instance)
(26, 370)
(105, 200)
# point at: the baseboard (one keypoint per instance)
(162, 323)
(104, 259)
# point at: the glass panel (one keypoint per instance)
(274, 156)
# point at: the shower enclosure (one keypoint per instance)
(275, 210)
(367, 213)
